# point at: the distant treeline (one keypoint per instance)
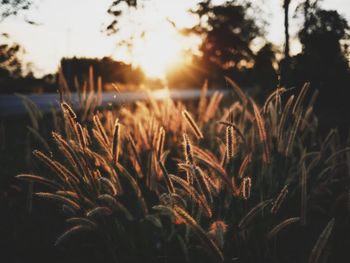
(76, 72)
(229, 32)
(111, 71)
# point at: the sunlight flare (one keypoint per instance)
(160, 50)
(161, 94)
(154, 42)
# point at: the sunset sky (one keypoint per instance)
(74, 28)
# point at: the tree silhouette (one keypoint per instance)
(286, 4)
(109, 70)
(324, 62)
(10, 65)
(264, 72)
(228, 33)
(285, 62)
(13, 7)
(305, 9)
(328, 27)
(115, 10)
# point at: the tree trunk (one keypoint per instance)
(286, 28)
(306, 20)
(306, 14)
(285, 67)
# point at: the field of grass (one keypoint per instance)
(202, 181)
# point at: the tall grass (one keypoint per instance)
(236, 181)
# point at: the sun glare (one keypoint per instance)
(161, 94)
(155, 44)
(159, 51)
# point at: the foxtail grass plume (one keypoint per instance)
(160, 143)
(246, 187)
(188, 150)
(192, 124)
(229, 142)
(67, 109)
(116, 139)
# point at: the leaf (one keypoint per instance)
(321, 243)
(99, 211)
(60, 198)
(282, 225)
(39, 179)
(251, 214)
(70, 232)
(154, 221)
(81, 221)
(115, 204)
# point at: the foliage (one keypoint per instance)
(115, 10)
(244, 175)
(228, 32)
(322, 38)
(13, 7)
(10, 65)
(324, 62)
(227, 29)
(109, 70)
(264, 68)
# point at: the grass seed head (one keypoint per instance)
(192, 124)
(188, 150)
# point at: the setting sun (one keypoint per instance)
(135, 131)
(159, 51)
(154, 42)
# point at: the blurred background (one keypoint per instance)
(179, 44)
(151, 44)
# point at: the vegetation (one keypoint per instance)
(10, 64)
(13, 7)
(229, 31)
(256, 176)
(111, 71)
(165, 182)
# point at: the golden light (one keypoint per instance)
(154, 43)
(161, 94)
(158, 51)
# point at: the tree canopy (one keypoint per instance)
(116, 10)
(228, 33)
(108, 69)
(13, 7)
(324, 62)
(10, 64)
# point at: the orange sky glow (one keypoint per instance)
(75, 28)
